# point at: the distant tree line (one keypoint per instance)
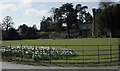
(23, 31)
(67, 18)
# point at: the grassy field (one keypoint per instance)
(82, 41)
(88, 50)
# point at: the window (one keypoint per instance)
(84, 27)
(89, 27)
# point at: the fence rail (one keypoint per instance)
(86, 54)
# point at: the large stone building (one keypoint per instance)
(95, 27)
(92, 29)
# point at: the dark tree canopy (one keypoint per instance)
(66, 18)
(12, 34)
(88, 18)
(28, 32)
(46, 24)
(110, 18)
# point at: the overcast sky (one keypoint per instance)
(31, 12)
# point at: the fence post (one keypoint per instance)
(83, 53)
(34, 53)
(10, 53)
(119, 55)
(66, 54)
(111, 53)
(5, 54)
(98, 54)
(42, 53)
(21, 54)
(50, 53)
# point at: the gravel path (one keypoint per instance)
(7, 65)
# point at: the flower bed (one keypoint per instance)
(38, 52)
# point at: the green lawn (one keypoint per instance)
(82, 41)
(88, 50)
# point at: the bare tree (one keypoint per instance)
(7, 23)
(106, 3)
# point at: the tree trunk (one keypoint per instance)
(68, 30)
(110, 34)
(6, 29)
